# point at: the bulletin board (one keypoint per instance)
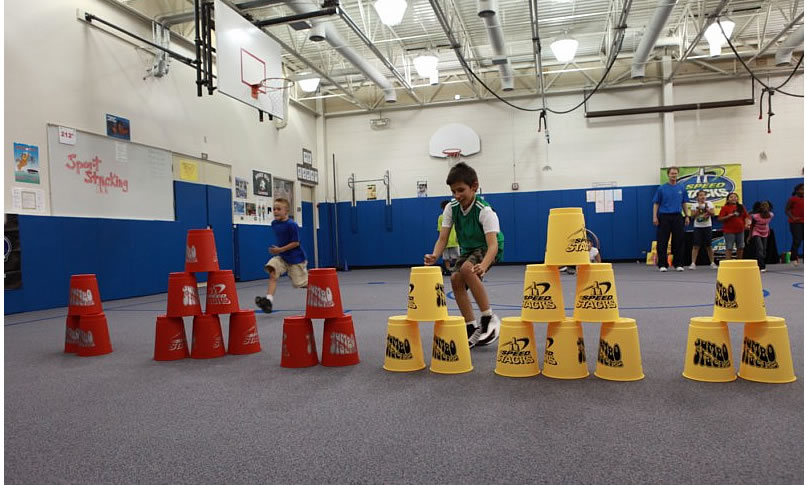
(104, 177)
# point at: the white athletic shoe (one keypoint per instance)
(692, 266)
(679, 268)
(490, 329)
(473, 333)
(763, 271)
(713, 266)
(663, 269)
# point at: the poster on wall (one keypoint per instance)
(241, 188)
(261, 183)
(284, 189)
(238, 208)
(26, 163)
(308, 158)
(188, 170)
(422, 186)
(718, 180)
(251, 211)
(12, 276)
(371, 194)
(117, 127)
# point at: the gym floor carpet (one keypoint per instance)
(124, 418)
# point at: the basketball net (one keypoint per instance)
(453, 156)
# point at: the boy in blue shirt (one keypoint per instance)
(482, 243)
(287, 255)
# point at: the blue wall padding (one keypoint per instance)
(134, 257)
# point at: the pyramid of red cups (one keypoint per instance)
(323, 301)
(207, 341)
(619, 358)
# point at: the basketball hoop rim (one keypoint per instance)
(261, 87)
(452, 153)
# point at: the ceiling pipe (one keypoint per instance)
(793, 41)
(336, 41)
(488, 10)
(663, 10)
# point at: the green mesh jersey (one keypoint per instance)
(470, 234)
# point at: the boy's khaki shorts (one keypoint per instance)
(297, 272)
(474, 257)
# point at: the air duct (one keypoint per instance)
(488, 10)
(793, 41)
(663, 10)
(337, 42)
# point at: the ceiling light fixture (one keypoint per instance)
(309, 85)
(715, 37)
(390, 12)
(426, 65)
(564, 48)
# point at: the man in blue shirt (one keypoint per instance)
(669, 201)
(287, 255)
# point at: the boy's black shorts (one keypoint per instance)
(474, 257)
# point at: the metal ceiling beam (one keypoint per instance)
(370, 45)
(456, 46)
(789, 26)
(709, 21)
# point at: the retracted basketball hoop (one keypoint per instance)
(452, 155)
(270, 84)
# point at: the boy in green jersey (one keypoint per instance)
(482, 243)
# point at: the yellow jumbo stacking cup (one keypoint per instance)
(404, 350)
(543, 294)
(595, 299)
(766, 352)
(566, 240)
(517, 354)
(451, 353)
(738, 293)
(708, 351)
(619, 357)
(427, 296)
(565, 354)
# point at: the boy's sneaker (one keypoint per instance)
(571, 271)
(713, 266)
(264, 304)
(692, 266)
(473, 333)
(490, 329)
(679, 268)
(663, 269)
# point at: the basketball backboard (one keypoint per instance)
(245, 56)
(454, 136)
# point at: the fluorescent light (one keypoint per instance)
(715, 37)
(309, 85)
(390, 12)
(564, 49)
(426, 65)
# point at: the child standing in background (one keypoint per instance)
(702, 212)
(734, 218)
(760, 228)
(287, 255)
(452, 251)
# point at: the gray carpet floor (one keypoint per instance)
(124, 418)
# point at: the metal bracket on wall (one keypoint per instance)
(351, 182)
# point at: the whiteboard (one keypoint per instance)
(109, 178)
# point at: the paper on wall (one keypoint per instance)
(28, 200)
(121, 152)
(590, 196)
(617, 195)
(608, 201)
(599, 202)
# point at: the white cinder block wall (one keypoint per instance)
(60, 70)
(628, 150)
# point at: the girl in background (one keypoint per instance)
(735, 219)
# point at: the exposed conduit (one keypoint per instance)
(793, 41)
(488, 10)
(663, 10)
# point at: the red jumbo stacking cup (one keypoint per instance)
(170, 342)
(85, 299)
(243, 333)
(221, 294)
(299, 346)
(183, 296)
(71, 339)
(207, 341)
(200, 251)
(93, 335)
(339, 342)
(323, 299)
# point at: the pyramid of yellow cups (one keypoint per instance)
(766, 346)
(451, 353)
(619, 357)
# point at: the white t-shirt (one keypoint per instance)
(488, 218)
(592, 254)
(704, 220)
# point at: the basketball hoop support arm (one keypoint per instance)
(351, 182)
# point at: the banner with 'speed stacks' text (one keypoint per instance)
(718, 180)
